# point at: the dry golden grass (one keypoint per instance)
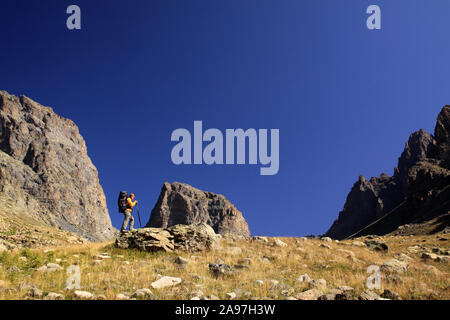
(128, 270)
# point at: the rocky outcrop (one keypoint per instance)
(191, 238)
(45, 169)
(181, 203)
(417, 191)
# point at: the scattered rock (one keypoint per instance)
(358, 244)
(376, 245)
(122, 296)
(221, 270)
(368, 295)
(102, 257)
(82, 295)
(35, 293)
(324, 245)
(194, 237)
(319, 284)
(143, 293)
(388, 294)
(50, 267)
(304, 278)
(54, 296)
(279, 243)
(312, 294)
(181, 261)
(231, 295)
(394, 266)
(260, 239)
(166, 281)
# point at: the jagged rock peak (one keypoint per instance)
(180, 203)
(419, 180)
(45, 169)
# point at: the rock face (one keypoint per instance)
(181, 203)
(191, 238)
(45, 169)
(417, 192)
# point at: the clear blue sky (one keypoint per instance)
(344, 98)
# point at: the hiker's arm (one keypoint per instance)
(131, 203)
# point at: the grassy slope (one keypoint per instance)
(129, 270)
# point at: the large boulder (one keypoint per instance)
(192, 238)
(180, 203)
(45, 169)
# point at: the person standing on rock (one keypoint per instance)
(128, 213)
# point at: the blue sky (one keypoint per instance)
(344, 98)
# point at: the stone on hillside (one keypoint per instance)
(180, 203)
(430, 256)
(344, 295)
(403, 257)
(35, 293)
(326, 239)
(312, 294)
(122, 296)
(394, 266)
(231, 295)
(82, 295)
(368, 295)
(328, 296)
(388, 294)
(319, 284)
(181, 261)
(324, 245)
(221, 270)
(376, 245)
(185, 237)
(143, 293)
(304, 278)
(346, 289)
(50, 267)
(165, 281)
(102, 257)
(260, 239)
(54, 296)
(279, 243)
(358, 244)
(348, 253)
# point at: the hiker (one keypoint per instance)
(129, 204)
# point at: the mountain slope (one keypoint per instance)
(46, 172)
(416, 193)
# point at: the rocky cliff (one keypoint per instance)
(181, 203)
(45, 169)
(418, 190)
